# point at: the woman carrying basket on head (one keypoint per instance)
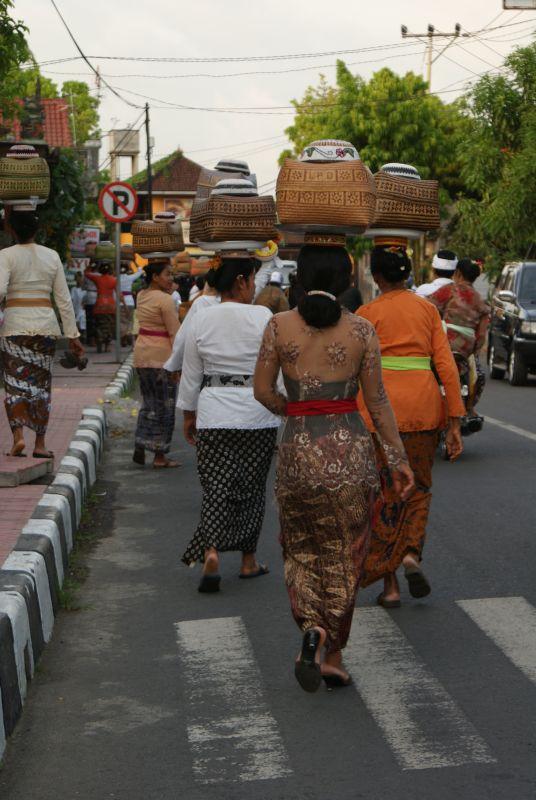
(30, 275)
(158, 324)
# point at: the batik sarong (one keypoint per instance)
(27, 366)
(127, 317)
(233, 467)
(156, 418)
(400, 527)
(104, 328)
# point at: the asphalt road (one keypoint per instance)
(153, 691)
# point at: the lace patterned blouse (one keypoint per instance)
(329, 364)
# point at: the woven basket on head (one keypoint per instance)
(406, 203)
(105, 251)
(340, 194)
(23, 174)
(156, 237)
(222, 218)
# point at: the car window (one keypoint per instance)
(509, 285)
(502, 280)
(527, 287)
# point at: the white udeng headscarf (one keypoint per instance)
(446, 264)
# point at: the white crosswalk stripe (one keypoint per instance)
(511, 623)
(421, 722)
(232, 734)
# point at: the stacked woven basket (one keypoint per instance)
(158, 238)
(228, 214)
(24, 178)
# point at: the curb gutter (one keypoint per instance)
(33, 573)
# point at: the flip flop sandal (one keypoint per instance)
(167, 465)
(307, 670)
(417, 582)
(48, 455)
(336, 681)
(209, 584)
(16, 455)
(381, 601)
(263, 570)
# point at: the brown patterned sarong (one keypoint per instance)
(27, 365)
(400, 528)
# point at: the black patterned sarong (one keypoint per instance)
(27, 366)
(156, 419)
(233, 467)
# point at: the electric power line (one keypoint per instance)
(85, 58)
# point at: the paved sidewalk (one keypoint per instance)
(72, 391)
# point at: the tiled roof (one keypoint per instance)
(174, 173)
(57, 131)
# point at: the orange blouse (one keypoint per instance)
(408, 325)
(156, 313)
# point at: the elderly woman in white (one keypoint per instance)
(235, 435)
(30, 275)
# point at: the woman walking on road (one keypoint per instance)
(411, 338)
(234, 435)
(327, 481)
(104, 308)
(158, 324)
(30, 275)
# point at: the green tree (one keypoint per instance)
(14, 51)
(84, 110)
(496, 215)
(66, 207)
(388, 118)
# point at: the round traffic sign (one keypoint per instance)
(118, 201)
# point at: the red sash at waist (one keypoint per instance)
(317, 408)
(148, 332)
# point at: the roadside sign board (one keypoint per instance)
(118, 201)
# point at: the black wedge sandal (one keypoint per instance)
(306, 670)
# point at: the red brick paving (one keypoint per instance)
(72, 391)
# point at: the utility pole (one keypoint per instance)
(431, 34)
(149, 170)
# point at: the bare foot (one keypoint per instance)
(212, 562)
(250, 565)
(161, 462)
(332, 665)
(18, 447)
(391, 589)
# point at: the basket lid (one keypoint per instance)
(22, 151)
(233, 165)
(237, 187)
(329, 150)
(165, 216)
(401, 170)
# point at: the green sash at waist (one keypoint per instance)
(406, 362)
(461, 329)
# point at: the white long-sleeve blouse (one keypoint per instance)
(224, 340)
(34, 272)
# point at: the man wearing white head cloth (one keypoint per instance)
(444, 265)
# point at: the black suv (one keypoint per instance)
(512, 333)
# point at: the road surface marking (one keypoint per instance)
(511, 623)
(511, 428)
(421, 722)
(231, 731)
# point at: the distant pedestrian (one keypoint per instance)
(104, 308)
(273, 296)
(78, 297)
(30, 275)
(197, 288)
(158, 325)
(128, 278)
(234, 435)
(91, 298)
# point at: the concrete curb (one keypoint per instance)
(32, 576)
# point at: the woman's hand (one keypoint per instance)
(189, 427)
(453, 439)
(175, 377)
(404, 480)
(76, 347)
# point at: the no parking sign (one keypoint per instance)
(118, 201)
